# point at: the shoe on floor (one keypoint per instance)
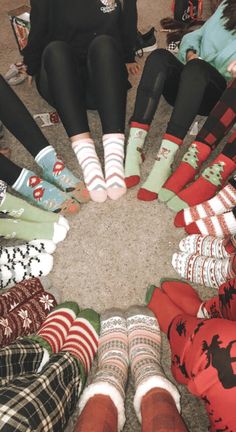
(146, 42)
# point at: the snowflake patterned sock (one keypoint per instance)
(19, 294)
(111, 376)
(15, 272)
(26, 318)
(182, 295)
(54, 330)
(44, 194)
(114, 165)
(21, 252)
(92, 170)
(223, 201)
(202, 270)
(134, 154)
(144, 340)
(55, 171)
(217, 226)
(186, 171)
(161, 169)
(208, 246)
(205, 187)
(28, 231)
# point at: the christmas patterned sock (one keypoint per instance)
(82, 338)
(111, 376)
(189, 166)
(202, 270)
(54, 330)
(55, 171)
(19, 294)
(134, 153)
(223, 201)
(21, 209)
(28, 231)
(161, 169)
(114, 165)
(44, 194)
(208, 246)
(92, 170)
(217, 226)
(205, 187)
(21, 252)
(182, 294)
(26, 318)
(40, 265)
(144, 340)
(99, 414)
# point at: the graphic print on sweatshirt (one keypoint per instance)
(109, 6)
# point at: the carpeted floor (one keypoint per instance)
(114, 250)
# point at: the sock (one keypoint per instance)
(134, 155)
(145, 355)
(40, 265)
(182, 295)
(186, 171)
(223, 201)
(217, 226)
(82, 339)
(55, 171)
(111, 376)
(114, 165)
(18, 253)
(92, 170)
(54, 330)
(162, 307)
(18, 294)
(206, 271)
(161, 169)
(164, 419)
(208, 246)
(99, 415)
(44, 194)
(230, 244)
(26, 318)
(28, 231)
(205, 187)
(21, 209)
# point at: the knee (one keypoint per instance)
(55, 50)
(103, 44)
(196, 69)
(159, 58)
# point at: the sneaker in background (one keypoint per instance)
(146, 42)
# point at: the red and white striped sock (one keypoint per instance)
(82, 339)
(217, 226)
(57, 325)
(225, 200)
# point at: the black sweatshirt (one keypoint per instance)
(78, 22)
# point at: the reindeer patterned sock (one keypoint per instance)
(21, 252)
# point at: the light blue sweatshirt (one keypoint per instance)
(213, 43)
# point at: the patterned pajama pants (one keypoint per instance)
(31, 401)
(204, 359)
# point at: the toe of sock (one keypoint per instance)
(69, 207)
(59, 233)
(177, 204)
(165, 195)
(192, 229)
(99, 196)
(146, 195)
(179, 219)
(116, 193)
(132, 181)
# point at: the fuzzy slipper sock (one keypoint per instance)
(114, 165)
(134, 154)
(208, 246)
(99, 415)
(55, 171)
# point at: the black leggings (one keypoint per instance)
(72, 85)
(191, 89)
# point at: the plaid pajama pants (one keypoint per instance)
(31, 401)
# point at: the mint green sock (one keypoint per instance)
(21, 209)
(24, 230)
(162, 167)
(134, 151)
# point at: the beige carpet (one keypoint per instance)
(114, 250)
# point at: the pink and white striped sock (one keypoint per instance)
(222, 225)
(92, 170)
(82, 339)
(114, 165)
(57, 324)
(225, 200)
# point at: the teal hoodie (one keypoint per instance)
(213, 43)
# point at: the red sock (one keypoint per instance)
(163, 308)
(188, 167)
(98, 415)
(211, 179)
(183, 295)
